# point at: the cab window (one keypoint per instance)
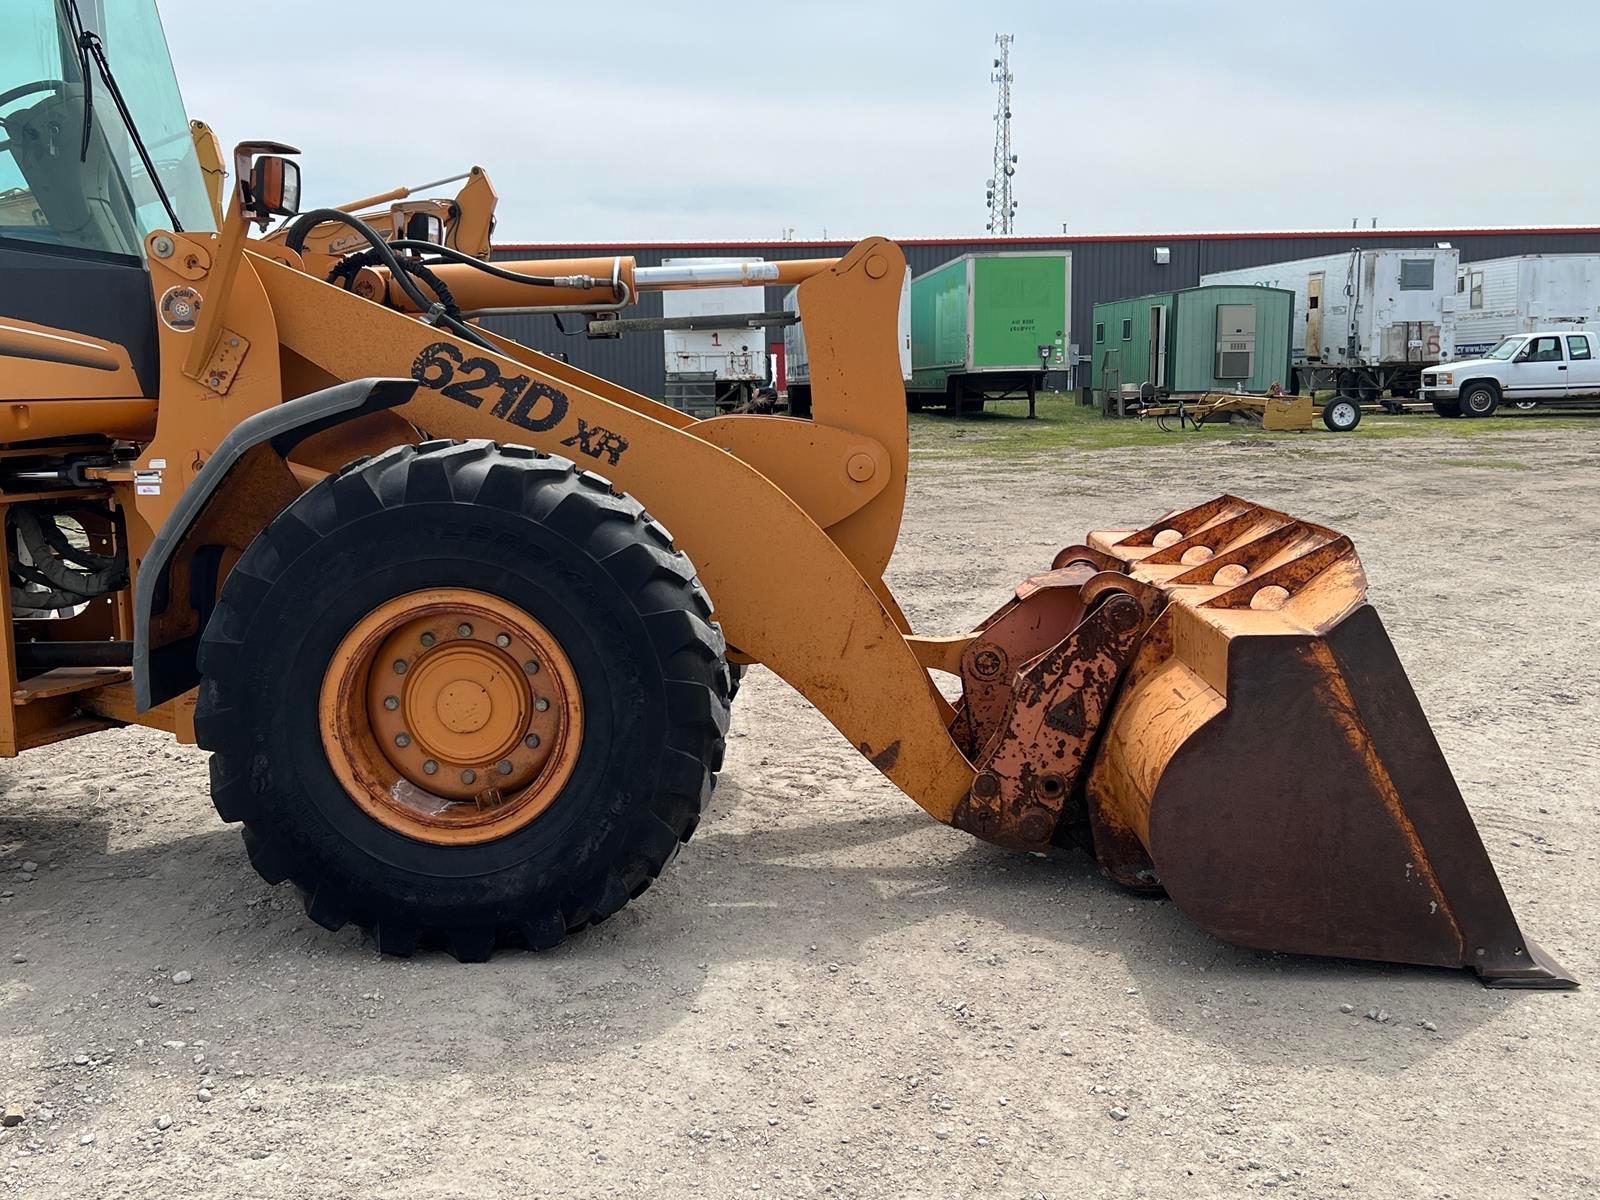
(1578, 347)
(1543, 350)
(56, 188)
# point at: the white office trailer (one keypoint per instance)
(1366, 322)
(1500, 297)
(713, 369)
(797, 362)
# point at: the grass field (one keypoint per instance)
(1004, 431)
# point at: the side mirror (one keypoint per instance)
(270, 184)
(274, 187)
(424, 227)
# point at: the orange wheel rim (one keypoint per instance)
(451, 716)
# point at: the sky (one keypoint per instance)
(624, 121)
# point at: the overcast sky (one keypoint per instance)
(626, 120)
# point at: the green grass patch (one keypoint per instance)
(1004, 431)
(1487, 460)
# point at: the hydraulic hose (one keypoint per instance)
(52, 566)
(451, 254)
(344, 274)
(302, 226)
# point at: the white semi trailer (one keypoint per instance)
(797, 363)
(1366, 322)
(713, 369)
(1501, 297)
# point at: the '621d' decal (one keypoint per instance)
(516, 398)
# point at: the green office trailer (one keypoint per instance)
(988, 326)
(1204, 339)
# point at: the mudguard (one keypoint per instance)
(165, 641)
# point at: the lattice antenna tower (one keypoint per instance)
(1002, 205)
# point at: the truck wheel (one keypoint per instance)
(1447, 408)
(462, 694)
(1479, 400)
(1341, 414)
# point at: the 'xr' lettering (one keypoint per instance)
(595, 441)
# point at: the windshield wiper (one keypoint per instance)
(90, 47)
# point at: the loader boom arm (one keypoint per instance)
(807, 601)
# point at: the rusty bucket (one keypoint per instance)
(1267, 763)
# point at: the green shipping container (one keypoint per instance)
(978, 323)
(1202, 339)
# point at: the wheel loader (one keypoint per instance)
(440, 606)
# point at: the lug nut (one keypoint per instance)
(504, 766)
(391, 702)
(464, 629)
(531, 741)
(429, 767)
(502, 640)
(469, 776)
(402, 740)
(531, 666)
(400, 666)
(541, 704)
(428, 639)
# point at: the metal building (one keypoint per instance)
(1103, 268)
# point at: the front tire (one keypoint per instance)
(1479, 400)
(541, 561)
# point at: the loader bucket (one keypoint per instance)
(1267, 763)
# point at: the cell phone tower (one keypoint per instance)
(1002, 207)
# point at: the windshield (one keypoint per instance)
(1506, 348)
(52, 189)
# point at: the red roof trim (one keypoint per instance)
(1071, 239)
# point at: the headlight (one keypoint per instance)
(1446, 378)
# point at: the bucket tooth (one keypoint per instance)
(1268, 764)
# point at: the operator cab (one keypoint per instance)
(76, 195)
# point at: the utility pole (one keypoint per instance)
(1002, 207)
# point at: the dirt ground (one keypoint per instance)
(830, 995)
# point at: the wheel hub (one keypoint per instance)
(451, 716)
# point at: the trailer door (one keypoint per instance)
(1158, 346)
(1314, 316)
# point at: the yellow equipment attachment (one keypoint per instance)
(1275, 411)
(463, 686)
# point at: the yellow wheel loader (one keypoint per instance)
(440, 606)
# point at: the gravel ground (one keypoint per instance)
(830, 995)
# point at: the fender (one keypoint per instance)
(177, 581)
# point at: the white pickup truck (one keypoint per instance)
(1523, 370)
